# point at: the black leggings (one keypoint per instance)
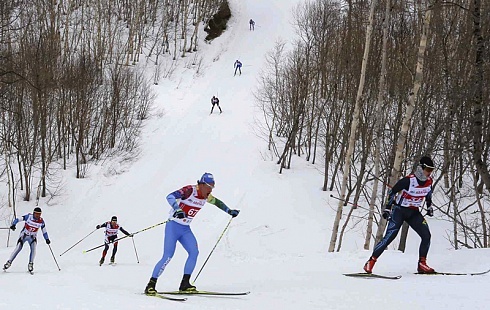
(414, 219)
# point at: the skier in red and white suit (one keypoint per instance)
(404, 207)
(111, 230)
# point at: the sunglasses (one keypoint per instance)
(211, 186)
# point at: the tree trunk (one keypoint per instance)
(412, 100)
(353, 130)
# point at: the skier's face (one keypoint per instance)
(428, 171)
(37, 215)
(206, 189)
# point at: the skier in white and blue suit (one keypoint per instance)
(186, 203)
(33, 221)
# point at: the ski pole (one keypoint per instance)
(4, 227)
(59, 269)
(128, 236)
(135, 252)
(78, 242)
(212, 251)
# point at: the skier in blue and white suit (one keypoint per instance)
(186, 203)
(28, 234)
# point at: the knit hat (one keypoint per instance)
(37, 210)
(426, 162)
(114, 218)
(207, 178)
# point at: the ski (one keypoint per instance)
(205, 293)
(158, 295)
(455, 273)
(371, 276)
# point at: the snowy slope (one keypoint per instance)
(276, 248)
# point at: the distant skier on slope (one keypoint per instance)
(186, 203)
(215, 101)
(28, 234)
(252, 24)
(405, 208)
(238, 66)
(111, 230)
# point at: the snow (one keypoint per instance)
(276, 248)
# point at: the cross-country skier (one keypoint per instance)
(238, 66)
(111, 230)
(404, 207)
(186, 203)
(33, 221)
(215, 101)
(252, 24)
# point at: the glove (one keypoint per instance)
(12, 227)
(48, 241)
(97, 227)
(233, 213)
(430, 211)
(179, 214)
(386, 214)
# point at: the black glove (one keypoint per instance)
(430, 211)
(12, 227)
(233, 213)
(48, 241)
(179, 214)
(97, 227)
(386, 213)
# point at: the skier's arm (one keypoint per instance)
(428, 198)
(124, 231)
(45, 232)
(23, 218)
(182, 193)
(402, 184)
(220, 204)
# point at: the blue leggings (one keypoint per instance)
(177, 232)
(415, 220)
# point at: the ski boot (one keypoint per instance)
(7, 265)
(423, 267)
(369, 265)
(185, 285)
(150, 287)
(113, 259)
(101, 261)
(30, 267)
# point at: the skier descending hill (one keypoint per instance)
(215, 101)
(191, 199)
(238, 66)
(28, 234)
(111, 229)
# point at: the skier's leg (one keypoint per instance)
(189, 242)
(172, 234)
(212, 109)
(114, 251)
(220, 111)
(106, 248)
(419, 224)
(394, 224)
(32, 243)
(18, 248)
